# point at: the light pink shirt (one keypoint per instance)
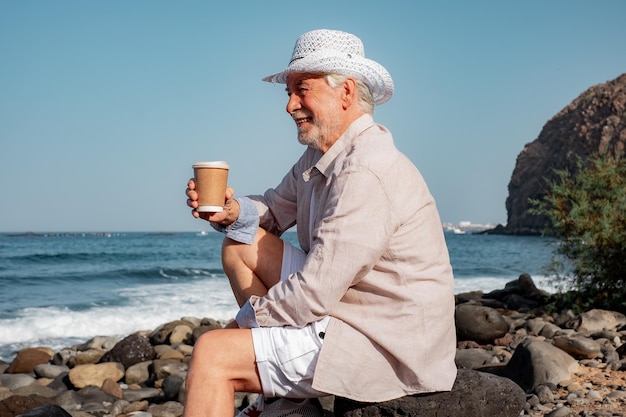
(377, 264)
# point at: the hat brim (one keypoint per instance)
(374, 75)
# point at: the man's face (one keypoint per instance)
(316, 108)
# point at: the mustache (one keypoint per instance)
(300, 115)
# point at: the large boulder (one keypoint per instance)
(593, 122)
(474, 394)
(536, 362)
(479, 323)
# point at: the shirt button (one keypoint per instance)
(321, 335)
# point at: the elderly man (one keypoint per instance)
(364, 309)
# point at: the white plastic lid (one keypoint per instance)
(212, 164)
(210, 209)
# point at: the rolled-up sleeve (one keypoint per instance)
(245, 227)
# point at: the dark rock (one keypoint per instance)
(171, 386)
(48, 410)
(19, 404)
(468, 296)
(478, 323)
(519, 294)
(130, 351)
(474, 394)
(94, 395)
(595, 121)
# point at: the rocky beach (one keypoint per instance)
(530, 363)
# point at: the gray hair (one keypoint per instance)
(365, 96)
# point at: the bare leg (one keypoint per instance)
(252, 269)
(222, 363)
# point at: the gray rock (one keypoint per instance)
(138, 373)
(166, 367)
(578, 347)
(104, 343)
(95, 395)
(549, 330)
(544, 394)
(50, 371)
(474, 394)
(63, 357)
(35, 389)
(133, 395)
(168, 409)
(15, 381)
(69, 400)
(536, 362)
(472, 358)
(561, 412)
(118, 407)
(597, 320)
(478, 323)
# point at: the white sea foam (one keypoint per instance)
(488, 284)
(147, 307)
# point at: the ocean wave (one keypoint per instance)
(144, 308)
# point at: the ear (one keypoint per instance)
(349, 94)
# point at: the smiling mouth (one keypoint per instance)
(300, 120)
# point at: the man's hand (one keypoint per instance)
(226, 217)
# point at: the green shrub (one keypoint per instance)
(587, 212)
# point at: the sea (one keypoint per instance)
(62, 289)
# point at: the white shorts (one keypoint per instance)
(286, 356)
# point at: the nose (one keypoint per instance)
(293, 103)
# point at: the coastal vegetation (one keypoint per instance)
(586, 209)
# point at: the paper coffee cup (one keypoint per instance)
(211, 179)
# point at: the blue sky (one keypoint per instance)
(105, 105)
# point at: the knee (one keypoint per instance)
(231, 253)
(207, 352)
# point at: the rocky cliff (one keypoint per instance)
(593, 122)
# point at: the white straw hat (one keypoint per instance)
(332, 51)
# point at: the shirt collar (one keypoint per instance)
(324, 164)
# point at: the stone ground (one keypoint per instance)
(587, 379)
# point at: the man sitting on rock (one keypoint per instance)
(365, 309)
